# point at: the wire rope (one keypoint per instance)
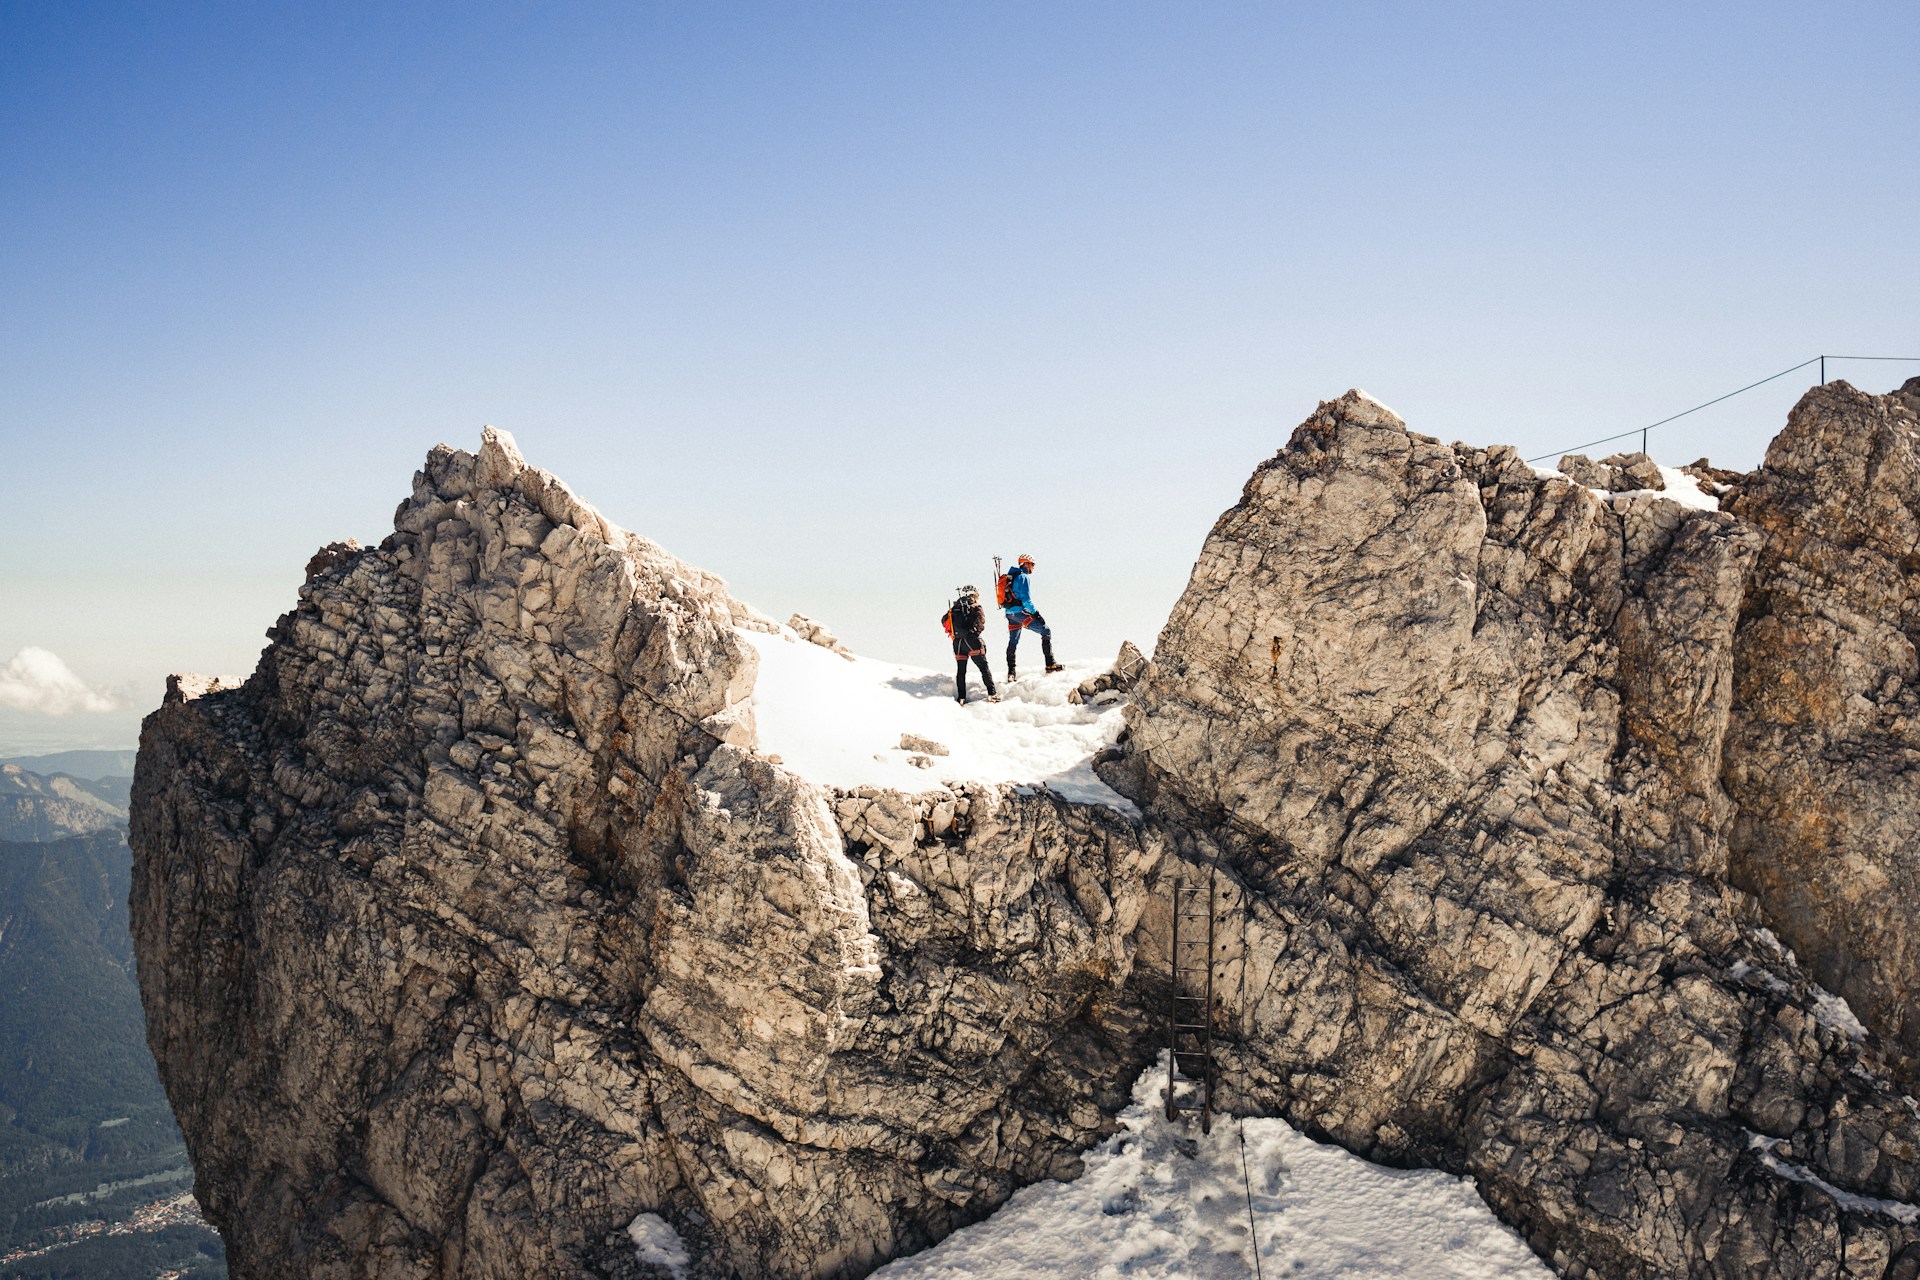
(1684, 412)
(1246, 1181)
(1641, 431)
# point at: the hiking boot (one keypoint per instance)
(993, 697)
(1053, 667)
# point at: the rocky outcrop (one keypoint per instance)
(469, 928)
(1455, 732)
(473, 924)
(1125, 672)
(1823, 754)
(1621, 473)
(814, 632)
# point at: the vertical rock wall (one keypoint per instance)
(467, 932)
(472, 925)
(1824, 749)
(1457, 731)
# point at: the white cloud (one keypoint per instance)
(36, 680)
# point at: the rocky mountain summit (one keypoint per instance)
(473, 924)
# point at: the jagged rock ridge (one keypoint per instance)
(471, 924)
(468, 931)
(1459, 729)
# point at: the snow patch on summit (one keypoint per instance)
(839, 721)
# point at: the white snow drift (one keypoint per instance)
(838, 721)
(1158, 1201)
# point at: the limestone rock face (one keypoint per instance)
(473, 923)
(1456, 734)
(1128, 666)
(1823, 755)
(470, 926)
(1620, 473)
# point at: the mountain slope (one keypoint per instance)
(81, 1107)
(519, 895)
(37, 806)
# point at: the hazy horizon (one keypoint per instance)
(840, 302)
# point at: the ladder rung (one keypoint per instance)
(1191, 1026)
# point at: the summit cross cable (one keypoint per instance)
(1253, 1233)
(1642, 431)
(1820, 360)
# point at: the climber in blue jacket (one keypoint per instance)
(1016, 598)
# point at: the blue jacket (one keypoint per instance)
(1017, 585)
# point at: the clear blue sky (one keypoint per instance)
(840, 300)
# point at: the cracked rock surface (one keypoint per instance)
(473, 924)
(1823, 753)
(468, 929)
(1458, 734)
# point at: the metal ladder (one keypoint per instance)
(1190, 1011)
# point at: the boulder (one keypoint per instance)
(816, 633)
(1619, 473)
(1126, 671)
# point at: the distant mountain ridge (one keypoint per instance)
(90, 766)
(35, 806)
(86, 1137)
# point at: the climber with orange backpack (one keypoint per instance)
(964, 621)
(1013, 595)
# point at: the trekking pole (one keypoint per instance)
(996, 579)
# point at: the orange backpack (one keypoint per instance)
(1003, 591)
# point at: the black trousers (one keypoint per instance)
(967, 646)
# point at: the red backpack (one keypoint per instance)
(946, 623)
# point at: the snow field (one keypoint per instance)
(1681, 488)
(1159, 1201)
(838, 721)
